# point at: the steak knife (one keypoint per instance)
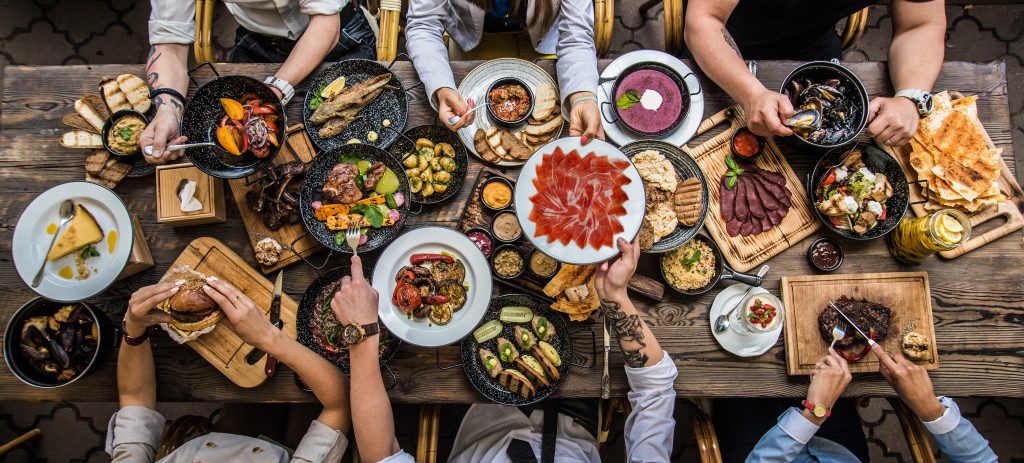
(871, 342)
(606, 382)
(275, 319)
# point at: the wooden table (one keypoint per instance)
(978, 299)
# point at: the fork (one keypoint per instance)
(352, 237)
(838, 333)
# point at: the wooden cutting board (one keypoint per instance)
(804, 297)
(475, 215)
(746, 252)
(1009, 211)
(221, 347)
(297, 148)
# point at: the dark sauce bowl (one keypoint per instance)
(821, 242)
(490, 108)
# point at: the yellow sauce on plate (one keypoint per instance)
(111, 241)
(65, 272)
(51, 229)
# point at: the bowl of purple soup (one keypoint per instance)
(650, 99)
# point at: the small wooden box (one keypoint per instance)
(140, 258)
(209, 192)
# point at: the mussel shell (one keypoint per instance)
(59, 354)
(805, 119)
(33, 353)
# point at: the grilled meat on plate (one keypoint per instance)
(373, 175)
(340, 185)
(866, 314)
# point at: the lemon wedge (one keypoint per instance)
(334, 87)
(950, 229)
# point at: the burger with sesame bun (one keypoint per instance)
(191, 309)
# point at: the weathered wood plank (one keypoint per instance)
(978, 306)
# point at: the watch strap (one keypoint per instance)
(810, 406)
(287, 90)
(921, 98)
(135, 341)
(371, 329)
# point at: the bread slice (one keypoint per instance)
(494, 140)
(515, 147)
(114, 98)
(545, 128)
(98, 106)
(96, 161)
(549, 367)
(545, 98)
(533, 370)
(136, 91)
(76, 121)
(115, 170)
(89, 113)
(686, 201)
(516, 382)
(483, 148)
(81, 139)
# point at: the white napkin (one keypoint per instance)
(187, 195)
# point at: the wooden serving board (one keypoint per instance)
(221, 347)
(297, 148)
(475, 215)
(1009, 211)
(804, 297)
(746, 252)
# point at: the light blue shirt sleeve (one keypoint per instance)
(425, 26)
(957, 437)
(577, 54)
(650, 426)
(784, 441)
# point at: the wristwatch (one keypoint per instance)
(921, 98)
(134, 341)
(818, 410)
(286, 89)
(352, 333)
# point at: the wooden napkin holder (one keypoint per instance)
(140, 258)
(209, 192)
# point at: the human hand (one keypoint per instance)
(911, 382)
(829, 379)
(142, 312)
(451, 104)
(356, 301)
(163, 130)
(585, 117)
(243, 317)
(892, 121)
(765, 111)
(613, 276)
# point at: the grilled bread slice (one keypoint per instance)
(136, 91)
(113, 96)
(545, 99)
(96, 161)
(76, 121)
(483, 148)
(85, 109)
(549, 368)
(514, 146)
(81, 139)
(533, 370)
(516, 382)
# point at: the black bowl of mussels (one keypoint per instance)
(830, 103)
(49, 344)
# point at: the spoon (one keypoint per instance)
(67, 212)
(452, 120)
(722, 322)
(148, 151)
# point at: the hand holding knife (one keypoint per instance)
(275, 319)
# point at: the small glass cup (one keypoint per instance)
(742, 322)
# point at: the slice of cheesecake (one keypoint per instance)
(81, 232)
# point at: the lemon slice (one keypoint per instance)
(952, 224)
(950, 230)
(334, 87)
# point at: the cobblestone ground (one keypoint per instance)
(41, 32)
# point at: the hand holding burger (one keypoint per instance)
(142, 312)
(243, 317)
(190, 308)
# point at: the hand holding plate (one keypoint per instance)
(613, 276)
(585, 117)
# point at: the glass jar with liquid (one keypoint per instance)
(916, 238)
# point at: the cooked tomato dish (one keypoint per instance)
(509, 102)
(248, 125)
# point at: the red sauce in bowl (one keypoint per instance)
(745, 144)
(510, 102)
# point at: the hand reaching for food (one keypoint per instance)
(613, 276)
(585, 117)
(356, 301)
(765, 111)
(244, 318)
(829, 379)
(142, 312)
(911, 382)
(450, 104)
(162, 131)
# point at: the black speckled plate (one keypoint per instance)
(140, 168)
(391, 105)
(317, 294)
(403, 146)
(878, 161)
(316, 175)
(204, 112)
(686, 168)
(474, 368)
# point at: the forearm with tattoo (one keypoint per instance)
(165, 67)
(732, 43)
(639, 347)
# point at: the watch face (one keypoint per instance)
(928, 102)
(819, 410)
(351, 334)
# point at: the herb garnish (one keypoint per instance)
(317, 99)
(372, 213)
(89, 251)
(349, 158)
(628, 99)
(689, 261)
(125, 133)
(733, 173)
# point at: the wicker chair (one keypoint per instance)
(675, 14)
(921, 449)
(388, 14)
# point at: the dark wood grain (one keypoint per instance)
(978, 299)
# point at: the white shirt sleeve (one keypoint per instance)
(650, 427)
(133, 434)
(797, 426)
(400, 457)
(945, 423)
(321, 444)
(324, 7)
(172, 21)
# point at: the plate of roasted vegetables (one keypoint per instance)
(358, 185)
(861, 194)
(520, 352)
(243, 119)
(434, 285)
(435, 162)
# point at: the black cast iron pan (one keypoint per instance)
(722, 271)
(405, 145)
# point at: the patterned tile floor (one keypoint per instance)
(114, 31)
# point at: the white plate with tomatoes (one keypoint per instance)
(413, 305)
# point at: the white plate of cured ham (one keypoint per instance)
(574, 201)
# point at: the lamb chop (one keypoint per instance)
(340, 185)
(373, 175)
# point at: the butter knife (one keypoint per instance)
(606, 382)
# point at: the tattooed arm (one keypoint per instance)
(165, 68)
(639, 347)
(718, 56)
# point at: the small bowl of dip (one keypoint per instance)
(496, 193)
(122, 131)
(825, 254)
(505, 227)
(745, 144)
(510, 102)
(507, 262)
(482, 239)
(542, 265)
